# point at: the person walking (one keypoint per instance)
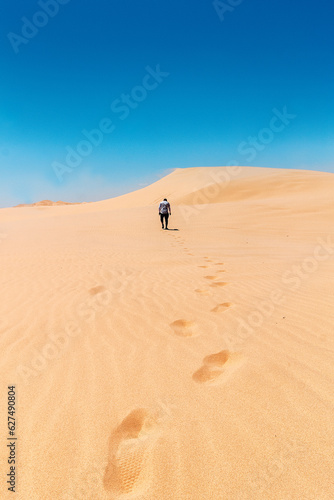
(164, 212)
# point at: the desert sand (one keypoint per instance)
(194, 363)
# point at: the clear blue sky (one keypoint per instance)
(228, 67)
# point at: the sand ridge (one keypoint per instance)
(223, 325)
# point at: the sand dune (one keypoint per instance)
(195, 363)
(44, 203)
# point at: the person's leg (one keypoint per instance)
(162, 220)
(166, 217)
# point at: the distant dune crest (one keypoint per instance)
(46, 203)
(210, 185)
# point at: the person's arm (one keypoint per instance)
(170, 212)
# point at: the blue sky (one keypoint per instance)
(228, 69)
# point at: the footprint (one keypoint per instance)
(221, 307)
(203, 266)
(202, 290)
(184, 328)
(221, 271)
(218, 367)
(131, 446)
(210, 277)
(97, 289)
(219, 264)
(219, 283)
(217, 359)
(206, 374)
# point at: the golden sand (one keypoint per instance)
(142, 371)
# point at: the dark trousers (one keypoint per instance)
(162, 217)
